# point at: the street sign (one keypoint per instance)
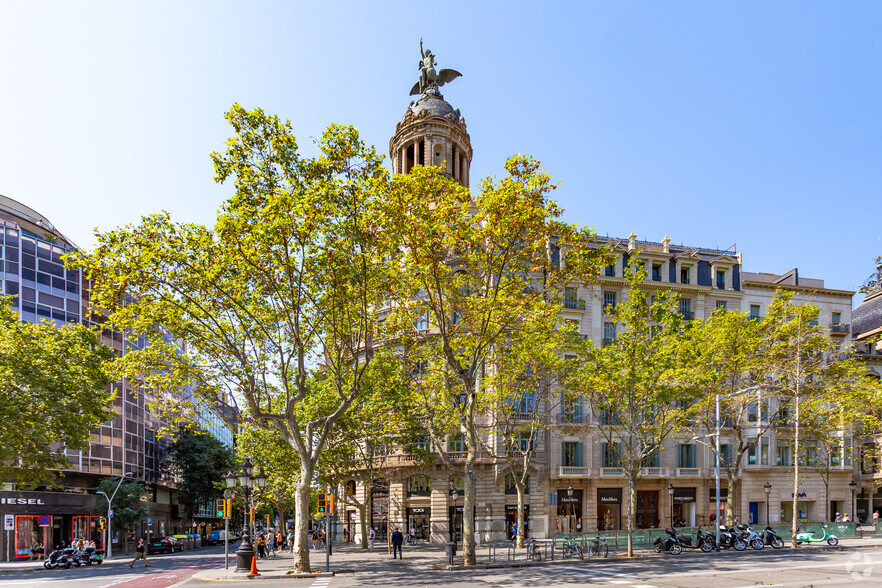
(44, 520)
(149, 521)
(110, 514)
(8, 522)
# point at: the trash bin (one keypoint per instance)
(450, 551)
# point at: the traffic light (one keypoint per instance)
(228, 507)
(330, 503)
(267, 520)
(221, 507)
(323, 504)
(103, 523)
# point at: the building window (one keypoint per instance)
(656, 272)
(684, 275)
(419, 486)
(653, 460)
(609, 301)
(725, 454)
(609, 332)
(571, 298)
(837, 318)
(609, 454)
(456, 444)
(422, 323)
(685, 455)
(572, 409)
(572, 454)
(721, 280)
(782, 457)
(721, 305)
(511, 488)
(610, 270)
(754, 311)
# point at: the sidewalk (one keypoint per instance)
(425, 557)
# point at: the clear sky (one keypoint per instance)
(754, 123)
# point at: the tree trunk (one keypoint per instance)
(795, 514)
(632, 499)
(732, 496)
(362, 514)
(468, 511)
(520, 537)
(301, 521)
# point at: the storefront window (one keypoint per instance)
(31, 536)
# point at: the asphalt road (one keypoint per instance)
(164, 571)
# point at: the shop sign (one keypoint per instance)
(22, 501)
(609, 495)
(724, 494)
(801, 495)
(564, 498)
(9, 522)
(418, 510)
(684, 495)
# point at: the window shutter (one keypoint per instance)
(579, 454)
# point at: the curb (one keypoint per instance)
(274, 576)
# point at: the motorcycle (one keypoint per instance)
(772, 538)
(91, 556)
(703, 541)
(673, 543)
(73, 556)
(57, 559)
(731, 538)
(806, 537)
(751, 537)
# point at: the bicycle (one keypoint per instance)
(572, 548)
(598, 547)
(534, 552)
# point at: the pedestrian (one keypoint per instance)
(397, 540)
(413, 535)
(270, 544)
(846, 518)
(291, 540)
(140, 553)
(838, 518)
(875, 517)
(371, 536)
(261, 546)
(514, 531)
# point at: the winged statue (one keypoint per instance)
(429, 78)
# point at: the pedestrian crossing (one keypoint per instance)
(600, 577)
(321, 582)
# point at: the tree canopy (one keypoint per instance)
(200, 462)
(54, 381)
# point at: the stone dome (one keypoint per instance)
(868, 316)
(432, 103)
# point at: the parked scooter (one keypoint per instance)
(731, 538)
(73, 556)
(90, 556)
(703, 541)
(673, 543)
(751, 537)
(806, 537)
(57, 559)
(772, 538)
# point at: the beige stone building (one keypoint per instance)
(574, 482)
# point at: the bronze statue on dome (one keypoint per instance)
(429, 78)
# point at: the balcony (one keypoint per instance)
(574, 304)
(755, 318)
(688, 472)
(611, 472)
(574, 419)
(840, 329)
(574, 472)
(608, 341)
(653, 472)
(687, 315)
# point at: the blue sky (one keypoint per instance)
(751, 123)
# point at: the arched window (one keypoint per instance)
(419, 486)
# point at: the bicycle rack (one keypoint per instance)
(511, 552)
(491, 553)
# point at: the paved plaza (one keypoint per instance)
(855, 562)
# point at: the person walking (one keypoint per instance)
(291, 540)
(371, 537)
(270, 544)
(397, 540)
(140, 553)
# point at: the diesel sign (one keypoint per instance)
(21, 501)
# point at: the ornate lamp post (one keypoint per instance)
(453, 525)
(572, 508)
(768, 488)
(853, 486)
(671, 494)
(245, 553)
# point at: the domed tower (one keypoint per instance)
(432, 132)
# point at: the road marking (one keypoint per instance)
(593, 571)
(620, 581)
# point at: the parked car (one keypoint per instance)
(217, 538)
(164, 545)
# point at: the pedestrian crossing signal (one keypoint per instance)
(322, 503)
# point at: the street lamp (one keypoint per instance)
(671, 494)
(768, 488)
(453, 522)
(717, 435)
(853, 486)
(245, 553)
(572, 522)
(109, 541)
